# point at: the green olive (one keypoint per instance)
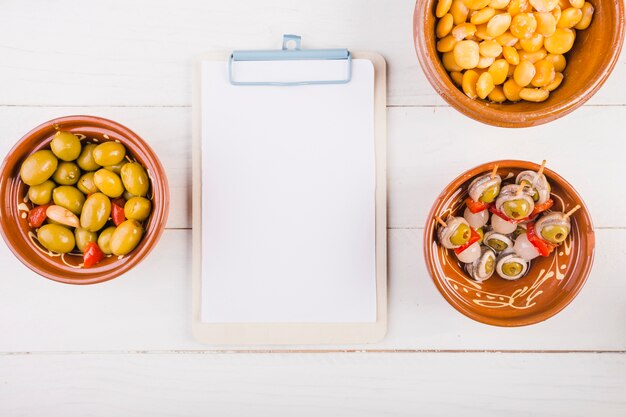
(104, 240)
(108, 183)
(137, 208)
(126, 237)
(69, 197)
(497, 244)
(516, 209)
(554, 233)
(38, 167)
(527, 183)
(127, 196)
(96, 212)
(67, 173)
(490, 194)
(461, 235)
(489, 265)
(41, 194)
(109, 153)
(512, 269)
(85, 160)
(83, 238)
(481, 233)
(56, 238)
(135, 179)
(86, 184)
(65, 145)
(117, 168)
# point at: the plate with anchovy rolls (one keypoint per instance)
(509, 243)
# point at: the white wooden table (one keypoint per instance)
(124, 347)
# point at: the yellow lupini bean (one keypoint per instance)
(481, 32)
(507, 39)
(570, 17)
(510, 54)
(534, 94)
(519, 6)
(558, 61)
(449, 63)
(544, 73)
(499, 4)
(476, 4)
(443, 6)
(524, 73)
(585, 21)
(533, 56)
(558, 79)
(484, 85)
(511, 71)
(444, 26)
(577, 3)
(446, 44)
(497, 95)
(499, 70)
(523, 25)
(466, 54)
(482, 16)
(457, 77)
(490, 48)
(459, 12)
(532, 44)
(511, 90)
(561, 42)
(470, 78)
(544, 5)
(546, 23)
(498, 24)
(556, 13)
(485, 62)
(463, 31)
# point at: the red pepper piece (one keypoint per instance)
(117, 211)
(544, 248)
(503, 216)
(92, 255)
(475, 206)
(542, 207)
(37, 216)
(474, 237)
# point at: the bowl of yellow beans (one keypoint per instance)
(517, 63)
(86, 199)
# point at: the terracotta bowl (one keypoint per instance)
(549, 286)
(589, 64)
(14, 226)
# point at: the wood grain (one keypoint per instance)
(515, 385)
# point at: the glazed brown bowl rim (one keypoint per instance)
(480, 111)
(539, 316)
(159, 214)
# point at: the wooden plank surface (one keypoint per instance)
(170, 385)
(125, 347)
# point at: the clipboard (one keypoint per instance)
(276, 332)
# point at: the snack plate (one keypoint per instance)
(551, 283)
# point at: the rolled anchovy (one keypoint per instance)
(480, 184)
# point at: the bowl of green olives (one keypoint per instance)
(509, 243)
(86, 199)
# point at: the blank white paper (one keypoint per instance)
(288, 196)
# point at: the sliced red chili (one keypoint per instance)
(92, 255)
(503, 216)
(117, 211)
(545, 248)
(540, 208)
(37, 215)
(474, 237)
(475, 206)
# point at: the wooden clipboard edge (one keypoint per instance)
(269, 334)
